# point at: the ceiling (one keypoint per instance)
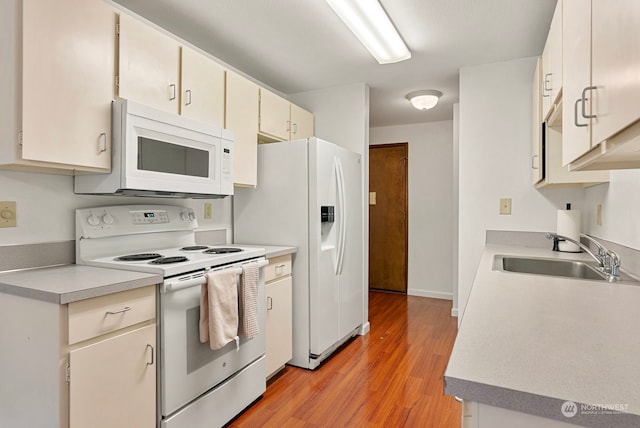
(302, 45)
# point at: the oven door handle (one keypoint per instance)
(170, 286)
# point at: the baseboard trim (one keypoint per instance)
(454, 312)
(430, 294)
(364, 329)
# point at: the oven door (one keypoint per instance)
(168, 153)
(190, 368)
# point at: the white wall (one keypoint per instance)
(46, 204)
(431, 223)
(494, 158)
(456, 210)
(620, 200)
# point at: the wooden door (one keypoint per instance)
(388, 217)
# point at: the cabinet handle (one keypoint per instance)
(575, 114)
(544, 84)
(533, 161)
(269, 303)
(121, 311)
(584, 99)
(295, 128)
(102, 142)
(288, 125)
(172, 95)
(187, 92)
(152, 352)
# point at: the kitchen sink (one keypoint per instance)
(551, 267)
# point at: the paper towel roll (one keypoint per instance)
(569, 225)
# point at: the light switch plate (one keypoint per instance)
(505, 206)
(372, 198)
(7, 214)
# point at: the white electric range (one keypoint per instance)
(197, 387)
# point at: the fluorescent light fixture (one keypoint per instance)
(371, 25)
(425, 99)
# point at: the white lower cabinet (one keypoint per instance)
(112, 383)
(279, 326)
(479, 415)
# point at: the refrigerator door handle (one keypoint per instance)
(343, 217)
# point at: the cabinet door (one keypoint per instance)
(615, 66)
(536, 125)
(241, 116)
(113, 382)
(301, 123)
(274, 115)
(67, 82)
(279, 333)
(552, 62)
(576, 130)
(149, 63)
(202, 88)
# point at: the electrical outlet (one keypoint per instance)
(505, 206)
(599, 215)
(7, 214)
(207, 210)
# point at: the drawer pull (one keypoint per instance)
(269, 303)
(125, 309)
(278, 268)
(152, 352)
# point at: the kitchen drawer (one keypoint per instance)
(94, 317)
(278, 267)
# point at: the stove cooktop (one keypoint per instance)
(174, 261)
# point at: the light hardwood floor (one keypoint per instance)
(392, 377)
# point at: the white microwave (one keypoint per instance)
(156, 153)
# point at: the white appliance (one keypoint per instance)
(156, 153)
(197, 387)
(309, 195)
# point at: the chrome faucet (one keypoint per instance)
(608, 260)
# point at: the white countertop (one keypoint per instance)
(531, 342)
(272, 250)
(70, 283)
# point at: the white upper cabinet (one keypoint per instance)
(149, 65)
(608, 102)
(275, 116)
(201, 88)
(241, 117)
(301, 123)
(552, 64)
(536, 124)
(58, 107)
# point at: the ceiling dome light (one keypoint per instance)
(424, 99)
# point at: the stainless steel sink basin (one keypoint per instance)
(551, 267)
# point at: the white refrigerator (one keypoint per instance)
(309, 195)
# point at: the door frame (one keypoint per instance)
(406, 213)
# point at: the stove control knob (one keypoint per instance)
(184, 215)
(107, 218)
(93, 220)
(192, 216)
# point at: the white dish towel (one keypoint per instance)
(219, 309)
(249, 300)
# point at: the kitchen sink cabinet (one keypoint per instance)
(608, 59)
(279, 324)
(148, 66)
(281, 120)
(201, 87)
(241, 117)
(479, 415)
(57, 89)
(552, 64)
